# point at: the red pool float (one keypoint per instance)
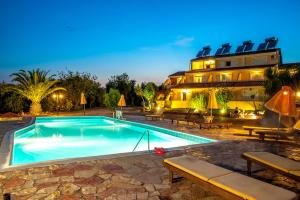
(159, 150)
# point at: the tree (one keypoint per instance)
(34, 85)
(125, 86)
(11, 101)
(149, 94)
(111, 98)
(76, 83)
(276, 79)
(140, 93)
(223, 96)
(199, 102)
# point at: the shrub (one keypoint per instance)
(199, 102)
(149, 94)
(111, 98)
(223, 97)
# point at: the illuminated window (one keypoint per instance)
(209, 64)
(226, 77)
(197, 65)
(256, 75)
(198, 79)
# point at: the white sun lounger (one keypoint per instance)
(285, 166)
(226, 183)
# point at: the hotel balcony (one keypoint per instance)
(218, 84)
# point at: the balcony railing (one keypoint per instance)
(219, 84)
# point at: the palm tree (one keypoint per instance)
(34, 85)
(139, 92)
(276, 79)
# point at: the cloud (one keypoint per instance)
(184, 41)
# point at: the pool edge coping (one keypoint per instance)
(6, 148)
(101, 157)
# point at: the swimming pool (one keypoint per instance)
(53, 138)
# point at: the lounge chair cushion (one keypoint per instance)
(275, 161)
(154, 115)
(250, 188)
(198, 168)
(263, 128)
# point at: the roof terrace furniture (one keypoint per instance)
(284, 166)
(226, 183)
(252, 129)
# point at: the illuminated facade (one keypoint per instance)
(242, 72)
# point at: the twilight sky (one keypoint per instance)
(148, 39)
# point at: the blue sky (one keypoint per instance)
(148, 39)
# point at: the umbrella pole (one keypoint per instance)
(279, 118)
(210, 108)
(83, 109)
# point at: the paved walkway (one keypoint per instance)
(143, 176)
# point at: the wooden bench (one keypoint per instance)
(276, 133)
(284, 166)
(226, 183)
(254, 128)
(214, 124)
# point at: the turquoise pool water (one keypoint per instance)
(52, 138)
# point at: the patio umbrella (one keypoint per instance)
(83, 101)
(283, 103)
(122, 101)
(297, 125)
(212, 101)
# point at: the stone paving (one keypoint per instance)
(143, 176)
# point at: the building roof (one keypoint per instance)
(219, 84)
(237, 54)
(230, 68)
(290, 65)
(179, 73)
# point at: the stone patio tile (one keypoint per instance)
(142, 176)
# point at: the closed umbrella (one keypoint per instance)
(212, 101)
(83, 101)
(283, 103)
(122, 101)
(297, 125)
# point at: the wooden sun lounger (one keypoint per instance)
(185, 118)
(182, 117)
(276, 133)
(209, 125)
(154, 117)
(226, 183)
(253, 128)
(284, 166)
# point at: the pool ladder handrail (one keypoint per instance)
(148, 133)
